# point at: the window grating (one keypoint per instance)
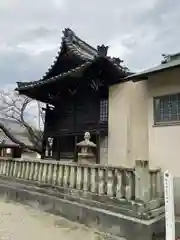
(104, 110)
(167, 108)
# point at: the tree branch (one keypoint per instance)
(13, 106)
(32, 135)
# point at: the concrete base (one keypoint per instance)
(88, 160)
(103, 220)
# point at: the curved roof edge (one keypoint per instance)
(26, 85)
(76, 45)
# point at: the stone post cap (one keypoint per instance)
(142, 163)
(86, 142)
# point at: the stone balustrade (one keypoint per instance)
(117, 182)
(156, 184)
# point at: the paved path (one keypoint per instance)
(19, 222)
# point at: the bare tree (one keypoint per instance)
(15, 107)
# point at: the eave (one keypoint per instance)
(23, 86)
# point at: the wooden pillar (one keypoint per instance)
(54, 148)
(21, 150)
(58, 149)
(4, 152)
(75, 148)
(43, 148)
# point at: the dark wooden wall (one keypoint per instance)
(67, 122)
(76, 116)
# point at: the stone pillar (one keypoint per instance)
(142, 180)
(86, 155)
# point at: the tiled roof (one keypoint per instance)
(5, 141)
(13, 125)
(80, 49)
(24, 85)
(27, 85)
(76, 45)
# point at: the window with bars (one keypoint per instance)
(104, 110)
(167, 108)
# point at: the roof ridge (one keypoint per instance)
(68, 35)
(68, 30)
(79, 47)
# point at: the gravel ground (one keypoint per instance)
(18, 222)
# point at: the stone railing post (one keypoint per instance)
(142, 180)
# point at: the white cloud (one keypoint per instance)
(117, 48)
(59, 3)
(36, 48)
(136, 30)
(5, 4)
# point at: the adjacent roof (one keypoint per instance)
(18, 131)
(5, 141)
(169, 61)
(13, 125)
(85, 54)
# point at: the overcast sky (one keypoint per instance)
(138, 31)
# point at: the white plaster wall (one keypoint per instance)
(119, 121)
(132, 134)
(128, 124)
(164, 141)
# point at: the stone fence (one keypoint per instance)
(138, 183)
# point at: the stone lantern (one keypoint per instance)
(86, 155)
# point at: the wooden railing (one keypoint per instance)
(118, 182)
